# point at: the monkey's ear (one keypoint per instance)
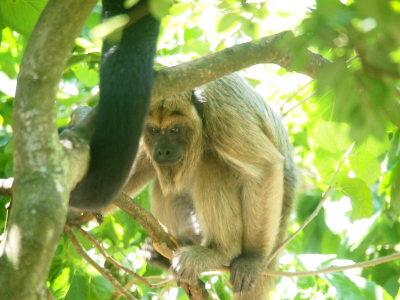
(198, 100)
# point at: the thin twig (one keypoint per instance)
(113, 261)
(165, 291)
(294, 94)
(49, 295)
(106, 273)
(213, 295)
(353, 58)
(227, 283)
(315, 212)
(299, 103)
(212, 284)
(170, 281)
(364, 264)
(397, 92)
(305, 223)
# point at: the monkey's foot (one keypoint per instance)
(244, 271)
(152, 257)
(184, 267)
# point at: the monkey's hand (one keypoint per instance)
(185, 266)
(244, 271)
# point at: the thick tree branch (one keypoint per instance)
(274, 49)
(41, 187)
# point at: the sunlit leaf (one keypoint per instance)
(21, 15)
(356, 288)
(78, 289)
(360, 197)
(365, 166)
(333, 137)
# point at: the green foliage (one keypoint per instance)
(22, 15)
(356, 288)
(341, 134)
(369, 29)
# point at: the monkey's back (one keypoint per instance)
(231, 96)
(238, 119)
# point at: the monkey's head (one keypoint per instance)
(173, 140)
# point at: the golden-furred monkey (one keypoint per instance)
(222, 160)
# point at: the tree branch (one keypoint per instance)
(106, 273)
(273, 49)
(138, 278)
(163, 242)
(364, 264)
(49, 295)
(41, 187)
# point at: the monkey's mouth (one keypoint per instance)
(168, 162)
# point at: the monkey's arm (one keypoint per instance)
(141, 174)
(126, 78)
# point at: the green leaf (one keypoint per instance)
(100, 289)
(365, 166)
(374, 146)
(326, 164)
(360, 197)
(332, 136)
(326, 169)
(180, 8)
(61, 284)
(21, 15)
(160, 8)
(79, 288)
(249, 28)
(192, 34)
(86, 75)
(356, 288)
(228, 21)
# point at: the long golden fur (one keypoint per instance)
(231, 181)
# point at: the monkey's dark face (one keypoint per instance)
(169, 137)
(173, 139)
(167, 143)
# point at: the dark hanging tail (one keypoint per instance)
(126, 80)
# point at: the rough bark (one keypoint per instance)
(41, 185)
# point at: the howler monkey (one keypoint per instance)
(225, 151)
(126, 78)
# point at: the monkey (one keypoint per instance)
(126, 79)
(223, 149)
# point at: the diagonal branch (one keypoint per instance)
(273, 49)
(138, 278)
(106, 273)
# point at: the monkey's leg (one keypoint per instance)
(262, 215)
(217, 203)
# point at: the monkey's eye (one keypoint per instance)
(175, 130)
(154, 130)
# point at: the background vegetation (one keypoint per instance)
(344, 126)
